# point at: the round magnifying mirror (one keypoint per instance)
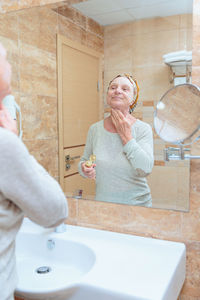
(177, 114)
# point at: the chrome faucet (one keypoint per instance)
(61, 228)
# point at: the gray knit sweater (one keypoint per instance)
(121, 170)
(25, 189)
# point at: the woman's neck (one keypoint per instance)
(109, 126)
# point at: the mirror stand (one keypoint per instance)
(178, 153)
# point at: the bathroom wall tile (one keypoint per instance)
(186, 21)
(43, 29)
(29, 34)
(118, 55)
(164, 225)
(18, 298)
(72, 211)
(9, 26)
(195, 38)
(37, 71)
(71, 30)
(147, 222)
(66, 11)
(145, 26)
(95, 28)
(196, 57)
(46, 153)
(74, 1)
(148, 49)
(195, 147)
(73, 15)
(7, 6)
(31, 3)
(93, 212)
(14, 5)
(13, 58)
(118, 31)
(164, 183)
(148, 103)
(185, 39)
(159, 163)
(196, 13)
(195, 176)
(158, 149)
(148, 111)
(187, 220)
(95, 42)
(129, 219)
(187, 297)
(191, 288)
(153, 83)
(183, 188)
(189, 39)
(195, 74)
(39, 115)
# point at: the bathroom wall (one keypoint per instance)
(157, 223)
(137, 48)
(7, 6)
(164, 224)
(29, 35)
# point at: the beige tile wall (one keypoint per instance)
(7, 5)
(165, 224)
(29, 35)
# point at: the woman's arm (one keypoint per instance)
(87, 172)
(22, 182)
(140, 152)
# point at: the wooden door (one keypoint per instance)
(79, 106)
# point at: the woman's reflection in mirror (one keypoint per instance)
(123, 146)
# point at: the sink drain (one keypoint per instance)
(43, 270)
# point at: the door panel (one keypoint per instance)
(79, 105)
(71, 159)
(80, 95)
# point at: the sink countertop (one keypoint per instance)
(127, 267)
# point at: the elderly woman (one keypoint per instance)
(123, 146)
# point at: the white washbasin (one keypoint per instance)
(50, 267)
(93, 264)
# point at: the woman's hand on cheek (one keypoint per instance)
(6, 121)
(122, 125)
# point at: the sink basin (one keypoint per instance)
(50, 267)
(96, 264)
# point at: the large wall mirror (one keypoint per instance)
(132, 37)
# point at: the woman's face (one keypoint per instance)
(120, 94)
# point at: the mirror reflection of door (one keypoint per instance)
(79, 81)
